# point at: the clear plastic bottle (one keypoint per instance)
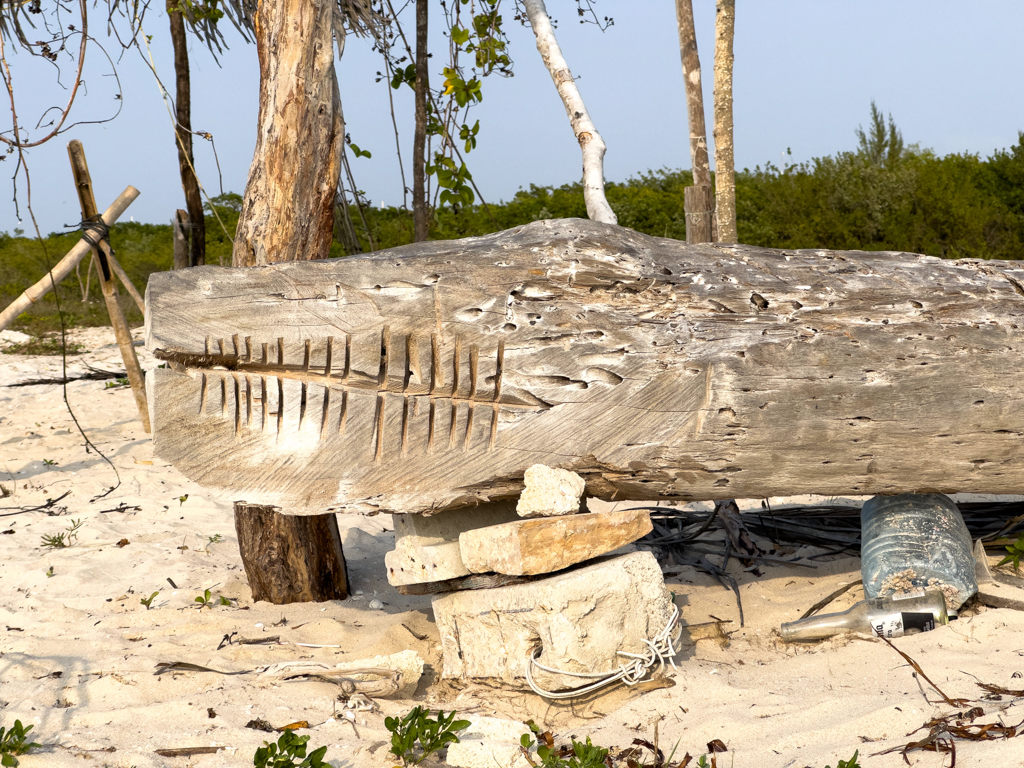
(904, 614)
(912, 541)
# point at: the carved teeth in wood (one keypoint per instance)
(258, 388)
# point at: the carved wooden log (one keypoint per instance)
(431, 376)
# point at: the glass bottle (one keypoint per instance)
(902, 614)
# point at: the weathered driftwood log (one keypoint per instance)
(431, 376)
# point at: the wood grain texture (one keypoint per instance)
(549, 544)
(432, 376)
(291, 559)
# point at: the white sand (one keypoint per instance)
(78, 651)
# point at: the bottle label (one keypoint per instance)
(907, 595)
(899, 624)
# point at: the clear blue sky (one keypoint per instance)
(805, 74)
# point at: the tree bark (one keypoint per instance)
(288, 215)
(432, 376)
(183, 137)
(725, 171)
(583, 127)
(694, 93)
(421, 222)
(291, 559)
(288, 208)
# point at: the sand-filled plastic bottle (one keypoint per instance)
(912, 541)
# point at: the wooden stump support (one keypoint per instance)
(291, 559)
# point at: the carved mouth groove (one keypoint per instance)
(242, 369)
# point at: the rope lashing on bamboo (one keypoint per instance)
(94, 232)
(630, 673)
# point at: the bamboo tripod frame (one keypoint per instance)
(106, 267)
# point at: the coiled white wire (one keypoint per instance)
(630, 673)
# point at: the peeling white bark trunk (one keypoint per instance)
(725, 172)
(582, 126)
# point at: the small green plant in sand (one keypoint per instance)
(64, 538)
(419, 729)
(148, 601)
(851, 763)
(116, 384)
(1016, 551)
(215, 539)
(14, 742)
(579, 755)
(287, 751)
(207, 600)
(49, 462)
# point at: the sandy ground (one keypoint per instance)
(79, 652)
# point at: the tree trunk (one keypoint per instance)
(583, 127)
(421, 222)
(291, 559)
(694, 93)
(183, 136)
(725, 172)
(431, 376)
(697, 200)
(288, 215)
(288, 210)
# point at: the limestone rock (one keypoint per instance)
(550, 491)
(489, 742)
(996, 590)
(545, 545)
(393, 676)
(427, 547)
(581, 619)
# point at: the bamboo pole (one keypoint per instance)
(127, 283)
(65, 265)
(103, 259)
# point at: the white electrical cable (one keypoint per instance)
(630, 673)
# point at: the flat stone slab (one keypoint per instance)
(548, 544)
(427, 546)
(581, 619)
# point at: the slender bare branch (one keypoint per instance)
(590, 140)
